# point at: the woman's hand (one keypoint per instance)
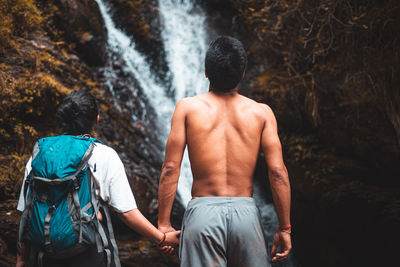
(171, 239)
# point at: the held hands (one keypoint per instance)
(166, 228)
(171, 239)
(283, 241)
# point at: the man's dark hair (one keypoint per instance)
(225, 63)
(77, 113)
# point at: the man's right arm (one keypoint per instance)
(171, 167)
(279, 182)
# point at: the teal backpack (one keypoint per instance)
(60, 218)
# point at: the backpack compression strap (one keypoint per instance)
(28, 207)
(28, 200)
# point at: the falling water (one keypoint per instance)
(184, 37)
(135, 64)
(185, 43)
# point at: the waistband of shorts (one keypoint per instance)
(222, 201)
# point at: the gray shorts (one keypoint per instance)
(222, 231)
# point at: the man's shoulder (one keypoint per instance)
(193, 99)
(261, 109)
(192, 102)
(265, 109)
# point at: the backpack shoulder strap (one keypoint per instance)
(111, 234)
(104, 242)
(85, 159)
(35, 150)
(75, 192)
(97, 140)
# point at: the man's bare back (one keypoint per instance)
(223, 134)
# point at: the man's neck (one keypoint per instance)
(231, 92)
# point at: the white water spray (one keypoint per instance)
(184, 37)
(136, 64)
(185, 42)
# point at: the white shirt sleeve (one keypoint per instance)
(21, 201)
(111, 179)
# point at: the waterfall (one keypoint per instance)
(184, 39)
(135, 64)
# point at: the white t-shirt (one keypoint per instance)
(109, 175)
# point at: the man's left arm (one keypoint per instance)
(171, 167)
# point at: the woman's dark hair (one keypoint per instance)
(225, 63)
(77, 113)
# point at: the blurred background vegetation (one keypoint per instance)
(329, 70)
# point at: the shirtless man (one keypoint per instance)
(224, 131)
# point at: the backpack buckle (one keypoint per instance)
(77, 183)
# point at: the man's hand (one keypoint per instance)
(172, 238)
(283, 241)
(169, 248)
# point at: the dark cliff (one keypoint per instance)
(329, 70)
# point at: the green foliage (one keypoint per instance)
(27, 105)
(25, 100)
(10, 183)
(18, 19)
(343, 46)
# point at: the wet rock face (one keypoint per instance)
(8, 232)
(141, 20)
(219, 17)
(83, 26)
(143, 253)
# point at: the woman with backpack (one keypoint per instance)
(70, 182)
